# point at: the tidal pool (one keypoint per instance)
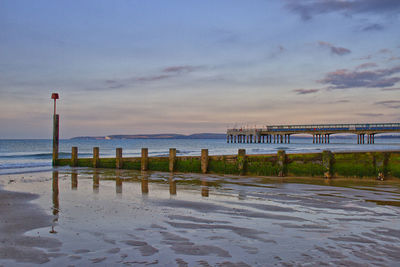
(130, 218)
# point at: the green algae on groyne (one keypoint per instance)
(373, 164)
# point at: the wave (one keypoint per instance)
(24, 165)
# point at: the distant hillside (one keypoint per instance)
(154, 136)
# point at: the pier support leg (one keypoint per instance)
(241, 161)
(118, 158)
(204, 160)
(144, 163)
(313, 138)
(74, 156)
(327, 163)
(282, 163)
(96, 157)
(55, 138)
(172, 159)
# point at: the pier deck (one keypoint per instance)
(320, 132)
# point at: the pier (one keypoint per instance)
(320, 132)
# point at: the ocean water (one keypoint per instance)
(21, 156)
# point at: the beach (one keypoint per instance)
(83, 216)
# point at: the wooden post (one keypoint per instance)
(172, 159)
(204, 160)
(96, 181)
(145, 159)
(118, 158)
(282, 163)
(74, 156)
(55, 138)
(327, 163)
(96, 157)
(241, 161)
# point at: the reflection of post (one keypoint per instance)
(56, 205)
(96, 181)
(172, 185)
(118, 183)
(204, 188)
(74, 180)
(145, 183)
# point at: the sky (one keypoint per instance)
(187, 66)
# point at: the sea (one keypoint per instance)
(34, 155)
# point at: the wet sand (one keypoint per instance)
(83, 217)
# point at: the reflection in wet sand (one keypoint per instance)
(172, 184)
(96, 181)
(204, 187)
(74, 180)
(118, 182)
(56, 205)
(145, 182)
(318, 223)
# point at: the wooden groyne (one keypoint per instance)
(373, 164)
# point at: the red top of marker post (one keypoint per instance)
(54, 96)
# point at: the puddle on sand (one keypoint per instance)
(109, 217)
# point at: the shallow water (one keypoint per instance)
(131, 218)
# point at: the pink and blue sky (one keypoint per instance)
(186, 66)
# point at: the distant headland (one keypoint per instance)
(155, 136)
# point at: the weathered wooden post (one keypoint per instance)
(74, 156)
(241, 161)
(172, 159)
(55, 130)
(327, 163)
(96, 157)
(282, 163)
(118, 158)
(145, 159)
(204, 160)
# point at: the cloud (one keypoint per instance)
(335, 49)
(385, 51)
(305, 91)
(344, 79)
(165, 73)
(391, 89)
(309, 8)
(370, 114)
(373, 27)
(343, 101)
(393, 58)
(389, 103)
(180, 69)
(366, 65)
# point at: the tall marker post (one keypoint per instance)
(55, 130)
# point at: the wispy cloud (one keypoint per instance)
(370, 114)
(366, 65)
(373, 27)
(305, 91)
(391, 89)
(389, 103)
(337, 50)
(344, 79)
(309, 8)
(165, 73)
